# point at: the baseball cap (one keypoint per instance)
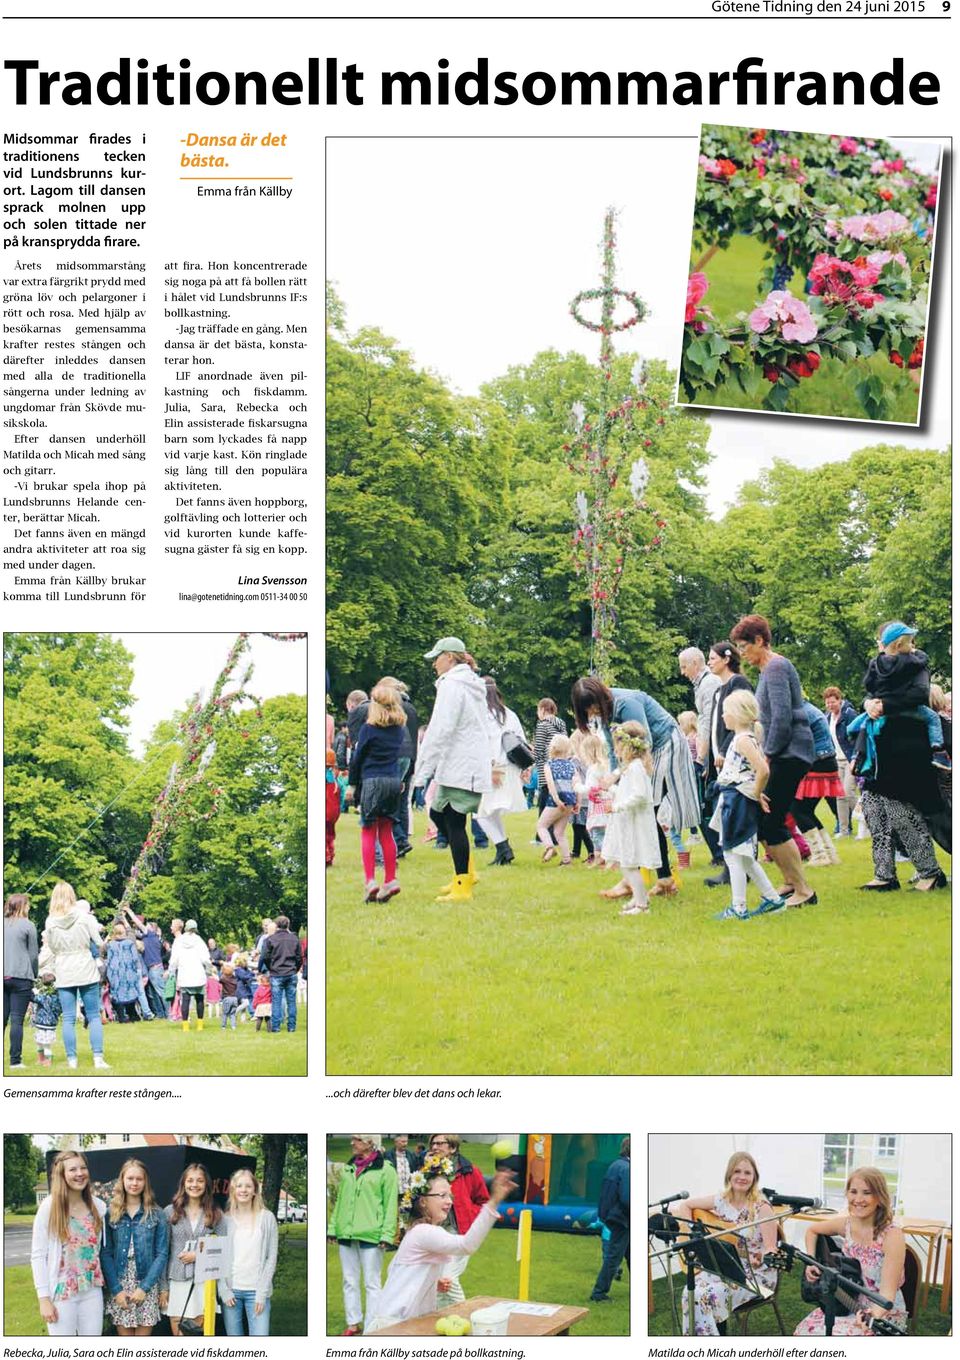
(445, 644)
(894, 631)
(191, 925)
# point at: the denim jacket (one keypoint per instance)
(151, 1242)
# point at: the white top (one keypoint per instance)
(188, 959)
(631, 836)
(411, 1287)
(508, 795)
(66, 948)
(832, 720)
(456, 749)
(245, 1244)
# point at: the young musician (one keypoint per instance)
(870, 1237)
(740, 1204)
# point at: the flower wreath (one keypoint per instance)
(635, 743)
(432, 1166)
(589, 294)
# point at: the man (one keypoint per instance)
(403, 1159)
(280, 960)
(614, 1212)
(840, 712)
(217, 956)
(693, 667)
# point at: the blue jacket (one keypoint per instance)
(151, 1243)
(633, 705)
(822, 740)
(844, 718)
(614, 1206)
(244, 979)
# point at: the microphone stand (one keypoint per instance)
(834, 1282)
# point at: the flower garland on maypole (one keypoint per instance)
(178, 800)
(604, 533)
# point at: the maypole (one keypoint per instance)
(604, 534)
(180, 798)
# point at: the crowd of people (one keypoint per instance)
(135, 974)
(135, 1260)
(748, 766)
(434, 1208)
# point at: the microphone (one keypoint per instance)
(669, 1199)
(792, 1201)
(663, 1226)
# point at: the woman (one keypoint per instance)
(190, 962)
(66, 1248)
(134, 1257)
(723, 661)
(822, 780)
(248, 1285)
(870, 1237)
(900, 789)
(123, 974)
(364, 1224)
(740, 1203)
(470, 1194)
(190, 1215)
(66, 953)
(19, 969)
(788, 746)
(674, 779)
(505, 729)
(418, 1270)
(456, 752)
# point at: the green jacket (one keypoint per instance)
(366, 1207)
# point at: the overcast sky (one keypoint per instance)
(468, 251)
(169, 668)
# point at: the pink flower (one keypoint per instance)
(794, 317)
(875, 226)
(849, 146)
(697, 286)
(881, 257)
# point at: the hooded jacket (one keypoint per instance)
(366, 1207)
(66, 948)
(456, 748)
(189, 958)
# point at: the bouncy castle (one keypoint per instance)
(558, 1178)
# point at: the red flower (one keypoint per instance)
(758, 135)
(726, 168)
(771, 373)
(885, 194)
(813, 359)
(896, 358)
(800, 368)
(916, 358)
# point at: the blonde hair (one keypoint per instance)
(62, 899)
(560, 747)
(938, 700)
(385, 709)
(753, 1194)
(118, 1200)
(256, 1204)
(631, 741)
(240, 961)
(740, 706)
(877, 1185)
(593, 750)
(687, 721)
(60, 1195)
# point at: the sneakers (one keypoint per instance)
(100, 1061)
(44, 1060)
(769, 906)
(17, 1067)
(72, 1064)
(388, 890)
(356, 1329)
(372, 891)
(941, 761)
(732, 913)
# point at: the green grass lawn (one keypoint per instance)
(734, 276)
(160, 1048)
(288, 1309)
(539, 975)
(562, 1270)
(928, 1322)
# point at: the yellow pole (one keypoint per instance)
(525, 1236)
(210, 1308)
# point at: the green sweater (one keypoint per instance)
(366, 1207)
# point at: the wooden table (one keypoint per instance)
(929, 1230)
(947, 1272)
(557, 1324)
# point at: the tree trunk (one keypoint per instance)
(705, 258)
(274, 1157)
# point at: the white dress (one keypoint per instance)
(631, 839)
(509, 796)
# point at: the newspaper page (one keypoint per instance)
(477, 497)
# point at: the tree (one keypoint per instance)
(22, 1166)
(282, 1159)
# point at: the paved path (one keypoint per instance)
(16, 1245)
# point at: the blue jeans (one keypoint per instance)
(244, 1300)
(155, 992)
(283, 989)
(90, 1000)
(229, 1012)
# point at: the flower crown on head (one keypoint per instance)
(433, 1166)
(635, 742)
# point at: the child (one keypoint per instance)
(560, 801)
(548, 726)
(244, 977)
(228, 987)
(45, 1016)
(593, 754)
(581, 832)
(687, 722)
(900, 678)
(332, 791)
(742, 781)
(263, 1003)
(631, 840)
(214, 992)
(375, 778)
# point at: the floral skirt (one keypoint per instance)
(850, 1325)
(145, 1314)
(714, 1301)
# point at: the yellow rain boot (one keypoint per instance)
(461, 890)
(199, 1024)
(186, 1026)
(472, 874)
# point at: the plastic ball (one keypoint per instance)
(502, 1149)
